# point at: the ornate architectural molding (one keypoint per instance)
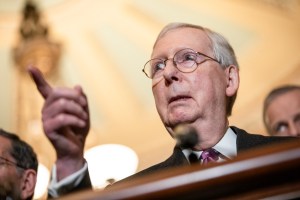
(35, 48)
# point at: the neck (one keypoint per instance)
(209, 134)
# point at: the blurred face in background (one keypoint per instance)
(10, 175)
(283, 114)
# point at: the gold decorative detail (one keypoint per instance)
(35, 48)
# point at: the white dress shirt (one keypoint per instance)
(224, 146)
(58, 188)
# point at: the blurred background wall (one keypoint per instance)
(103, 45)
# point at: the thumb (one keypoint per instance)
(42, 85)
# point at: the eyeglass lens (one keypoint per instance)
(184, 60)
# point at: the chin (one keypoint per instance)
(173, 117)
(180, 120)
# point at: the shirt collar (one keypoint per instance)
(226, 146)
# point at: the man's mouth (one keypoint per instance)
(178, 98)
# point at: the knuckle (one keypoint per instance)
(61, 118)
(47, 127)
(62, 102)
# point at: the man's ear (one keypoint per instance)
(233, 80)
(29, 178)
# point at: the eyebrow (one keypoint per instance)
(14, 163)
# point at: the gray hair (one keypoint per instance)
(221, 48)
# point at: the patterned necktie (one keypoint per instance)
(209, 155)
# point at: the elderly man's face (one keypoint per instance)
(283, 114)
(10, 178)
(189, 97)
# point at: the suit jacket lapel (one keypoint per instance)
(246, 141)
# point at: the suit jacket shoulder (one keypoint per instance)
(175, 160)
(246, 141)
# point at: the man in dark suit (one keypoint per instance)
(195, 79)
(18, 167)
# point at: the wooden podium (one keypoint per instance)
(272, 172)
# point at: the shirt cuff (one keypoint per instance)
(56, 189)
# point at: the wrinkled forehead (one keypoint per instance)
(179, 38)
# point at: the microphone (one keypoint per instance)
(186, 136)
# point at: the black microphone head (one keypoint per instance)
(186, 136)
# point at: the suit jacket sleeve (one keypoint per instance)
(78, 181)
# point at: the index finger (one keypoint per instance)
(42, 85)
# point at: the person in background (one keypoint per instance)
(281, 111)
(195, 80)
(18, 168)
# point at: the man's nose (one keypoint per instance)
(170, 71)
(294, 129)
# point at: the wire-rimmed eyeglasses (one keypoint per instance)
(184, 60)
(6, 161)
